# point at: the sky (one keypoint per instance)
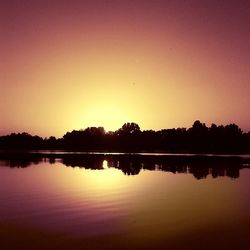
(68, 65)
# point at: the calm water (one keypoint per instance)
(101, 203)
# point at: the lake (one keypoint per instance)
(120, 201)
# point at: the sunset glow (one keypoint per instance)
(72, 64)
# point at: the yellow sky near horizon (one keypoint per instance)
(74, 64)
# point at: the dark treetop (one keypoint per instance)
(129, 138)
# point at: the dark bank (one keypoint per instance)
(129, 138)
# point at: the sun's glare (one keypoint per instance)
(111, 117)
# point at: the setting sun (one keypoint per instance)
(109, 116)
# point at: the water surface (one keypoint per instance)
(121, 203)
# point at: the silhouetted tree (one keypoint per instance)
(197, 139)
(129, 129)
(128, 137)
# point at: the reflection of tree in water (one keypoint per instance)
(199, 167)
(95, 163)
(22, 162)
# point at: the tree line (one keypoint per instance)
(129, 138)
